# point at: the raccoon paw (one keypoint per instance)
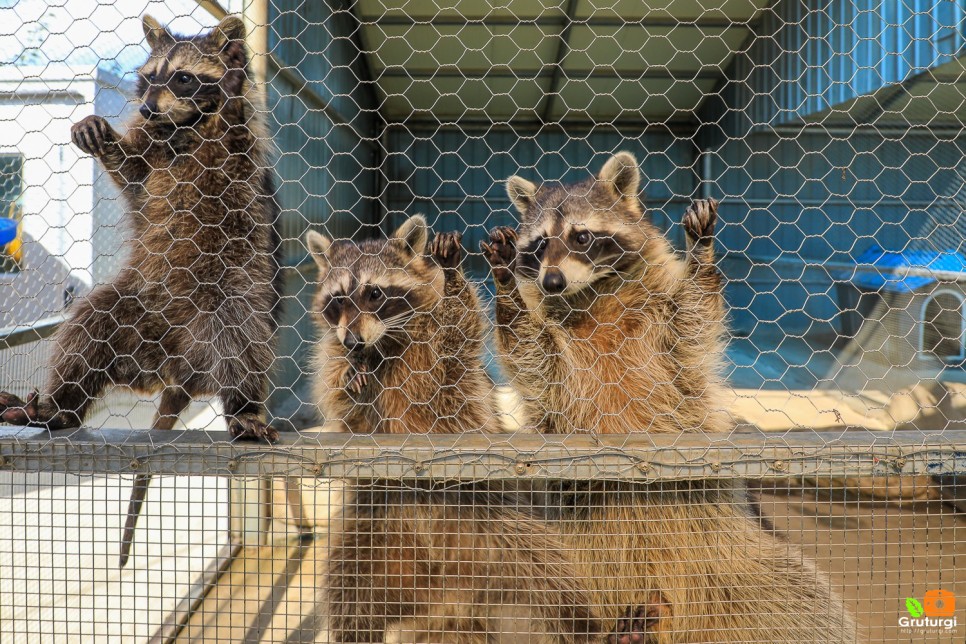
(92, 135)
(699, 221)
(640, 621)
(501, 252)
(29, 413)
(15, 411)
(249, 426)
(447, 249)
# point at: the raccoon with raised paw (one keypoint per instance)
(603, 328)
(192, 311)
(400, 352)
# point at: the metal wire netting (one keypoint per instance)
(558, 321)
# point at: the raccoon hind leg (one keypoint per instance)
(100, 345)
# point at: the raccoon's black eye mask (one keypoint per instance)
(600, 248)
(386, 302)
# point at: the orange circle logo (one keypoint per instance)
(939, 603)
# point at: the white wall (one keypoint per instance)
(68, 205)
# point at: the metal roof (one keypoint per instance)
(653, 60)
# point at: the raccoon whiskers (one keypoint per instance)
(397, 321)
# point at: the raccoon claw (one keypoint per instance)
(637, 622)
(447, 249)
(501, 252)
(358, 380)
(92, 135)
(251, 427)
(699, 220)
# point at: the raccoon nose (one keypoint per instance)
(148, 109)
(351, 341)
(554, 282)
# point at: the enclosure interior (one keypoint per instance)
(831, 134)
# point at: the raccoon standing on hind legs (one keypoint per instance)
(603, 328)
(429, 561)
(192, 311)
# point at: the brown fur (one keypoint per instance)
(635, 343)
(442, 562)
(191, 312)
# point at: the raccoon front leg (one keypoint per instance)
(123, 157)
(699, 223)
(532, 351)
(447, 251)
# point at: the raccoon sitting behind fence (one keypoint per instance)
(192, 312)
(602, 328)
(400, 352)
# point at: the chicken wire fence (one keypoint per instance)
(520, 321)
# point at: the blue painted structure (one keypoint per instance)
(799, 203)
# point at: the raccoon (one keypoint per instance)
(193, 310)
(400, 352)
(603, 328)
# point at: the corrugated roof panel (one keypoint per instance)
(603, 99)
(449, 98)
(670, 9)
(425, 48)
(473, 9)
(636, 47)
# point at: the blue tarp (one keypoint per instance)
(927, 259)
(8, 231)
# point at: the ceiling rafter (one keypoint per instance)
(563, 47)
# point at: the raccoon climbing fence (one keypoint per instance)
(560, 321)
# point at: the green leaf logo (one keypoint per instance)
(914, 607)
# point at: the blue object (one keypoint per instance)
(929, 259)
(8, 231)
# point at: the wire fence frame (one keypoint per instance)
(265, 482)
(641, 458)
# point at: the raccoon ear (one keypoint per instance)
(318, 245)
(228, 39)
(621, 173)
(231, 28)
(157, 36)
(521, 193)
(414, 233)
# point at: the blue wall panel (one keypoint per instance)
(457, 177)
(807, 56)
(329, 160)
(795, 209)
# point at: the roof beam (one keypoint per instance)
(554, 72)
(562, 49)
(555, 22)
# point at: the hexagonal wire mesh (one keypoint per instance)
(674, 354)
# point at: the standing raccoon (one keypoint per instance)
(191, 313)
(402, 336)
(603, 328)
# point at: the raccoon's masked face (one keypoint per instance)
(187, 78)
(370, 291)
(572, 237)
